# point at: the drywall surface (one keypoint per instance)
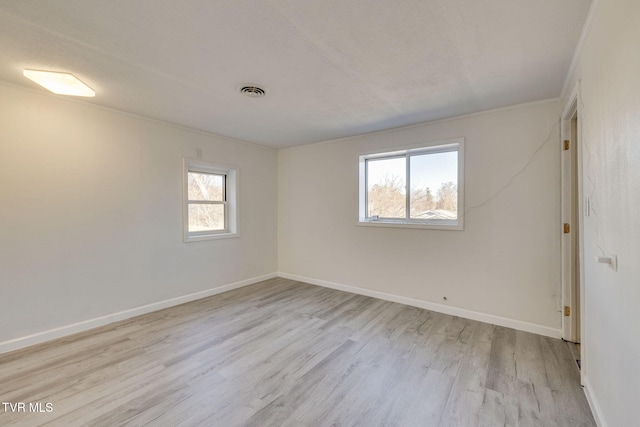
(505, 263)
(608, 68)
(91, 213)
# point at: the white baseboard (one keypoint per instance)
(440, 308)
(593, 402)
(62, 331)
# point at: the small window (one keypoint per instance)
(419, 187)
(209, 201)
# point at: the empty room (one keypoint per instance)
(320, 213)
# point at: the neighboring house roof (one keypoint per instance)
(436, 214)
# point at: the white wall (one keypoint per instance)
(608, 67)
(91, 214)
(505, 263)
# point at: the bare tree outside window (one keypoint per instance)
(387, 186)
(206, 194)
(448, 197)
(414, 187)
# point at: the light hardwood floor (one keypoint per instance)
(285, 353)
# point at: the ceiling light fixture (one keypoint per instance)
(60, 83)
(253, 91)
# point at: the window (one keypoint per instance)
(210, 210)
(419, 187)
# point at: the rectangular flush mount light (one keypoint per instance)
(60, 83)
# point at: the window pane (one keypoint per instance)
(205, 186)
(386, 188)
(206, 217)
(434, 186)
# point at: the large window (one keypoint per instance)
(419, 187)
(210, 209)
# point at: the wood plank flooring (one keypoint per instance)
(285, 353)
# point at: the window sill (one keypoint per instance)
(416, 225)
(205, 237)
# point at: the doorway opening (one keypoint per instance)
(572, 218)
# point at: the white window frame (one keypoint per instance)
(230, 203)
(455, 144)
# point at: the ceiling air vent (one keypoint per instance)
(253, 91)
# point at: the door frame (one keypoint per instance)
(572, 109)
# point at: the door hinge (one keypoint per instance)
(567, 311)
(566, 228)
(567, 144)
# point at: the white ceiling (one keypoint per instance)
(333, 68)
